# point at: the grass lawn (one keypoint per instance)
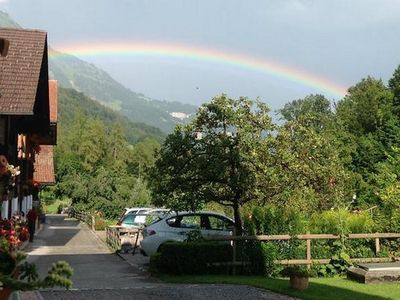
(52, 208)
(319, 288)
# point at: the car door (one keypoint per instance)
(180, 226)
(218, 226)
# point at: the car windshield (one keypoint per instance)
(142, 218)
(133, 219)
(155, 216)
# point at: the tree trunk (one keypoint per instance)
(238, 219)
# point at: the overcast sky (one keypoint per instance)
(341, 41)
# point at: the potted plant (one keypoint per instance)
(298, 277)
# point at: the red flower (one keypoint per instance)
(24, 234)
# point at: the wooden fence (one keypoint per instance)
(309, 238)
(83, 216)
(116, 236)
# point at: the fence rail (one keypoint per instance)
(118, 236)
(84, 217)
(309, 238)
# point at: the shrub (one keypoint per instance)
(388, 219)
(99, 223)
(341, 221)
(338, 265)
(297, 270)
(154, 263)
(272, 219)
(261, 257)
(191, 258)
(60, 208)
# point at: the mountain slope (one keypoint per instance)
(72, 102)
(6, 21)
(75, 73)
(72, 72)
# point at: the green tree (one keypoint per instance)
(368, 114)
(92, 148)
(143, 156)
(222, 156)
(394, 85)
(366, 107)
(317, 107)
(309, 167)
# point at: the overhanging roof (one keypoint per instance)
(44, 166)
(20, 70)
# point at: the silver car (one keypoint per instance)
(176, 225)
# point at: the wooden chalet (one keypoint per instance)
(25, 122)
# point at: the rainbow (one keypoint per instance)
(181, 51)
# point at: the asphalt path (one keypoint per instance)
(101, 274)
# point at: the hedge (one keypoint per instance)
(191, 258)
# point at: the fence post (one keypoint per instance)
(309, 253)
(234, 253)
(93, 223)
(377, 246)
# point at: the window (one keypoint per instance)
(220, 223)
(128, 220)
(190, 221)
(187, 221)
(174, 222)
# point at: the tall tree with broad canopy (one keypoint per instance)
(394, 85)
(310, 166)
(222, 156)
(368, 113)
(316, 106)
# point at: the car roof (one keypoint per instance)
(147, 211)
(202, 212)
(137, 208)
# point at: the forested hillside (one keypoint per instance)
(72, 72)
(72, 102)
(100, 155)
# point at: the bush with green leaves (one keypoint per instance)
(99, 223)
(191, 258)
(298, 271)
(260, 256)
(387, 219)
(272, 219)
(338, 265)
(18, 274)
(341, 221)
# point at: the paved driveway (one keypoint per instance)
(100, 274)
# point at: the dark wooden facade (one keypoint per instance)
(24, 110)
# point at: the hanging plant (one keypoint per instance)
(8, 173)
